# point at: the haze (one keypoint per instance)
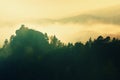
(49, 16)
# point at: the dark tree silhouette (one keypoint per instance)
(5, 43)
(32, 55)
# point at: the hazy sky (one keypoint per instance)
(19, 9)
(16, 12)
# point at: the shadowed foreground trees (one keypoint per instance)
(32, 55)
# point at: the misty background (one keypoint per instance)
(65, 19)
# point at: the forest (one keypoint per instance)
(33, 55)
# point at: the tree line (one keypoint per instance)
(33, 55)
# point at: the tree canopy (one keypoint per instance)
(33, 55)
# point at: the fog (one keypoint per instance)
(69, 32)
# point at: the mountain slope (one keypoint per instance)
(109, 15)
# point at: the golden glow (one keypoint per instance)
(70, 32)
(78, 32)
(19, 9)
(16, 12)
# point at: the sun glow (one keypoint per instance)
(13, 13)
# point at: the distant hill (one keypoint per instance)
(110, 15)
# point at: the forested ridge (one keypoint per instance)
(33, 55)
